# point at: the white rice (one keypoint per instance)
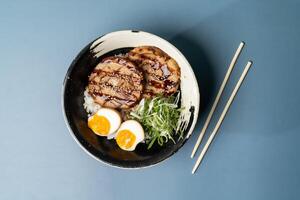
(89, 104)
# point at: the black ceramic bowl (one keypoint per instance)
(75, 115)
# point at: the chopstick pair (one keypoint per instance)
(223, 114)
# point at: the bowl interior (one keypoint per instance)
(73, 98)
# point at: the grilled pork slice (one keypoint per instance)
(161, 72)
(116, 82)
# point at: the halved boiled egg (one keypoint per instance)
(129, 135)
(105, 121)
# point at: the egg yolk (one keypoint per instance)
(99, 124)
(125, 139)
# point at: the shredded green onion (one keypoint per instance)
(160, 117)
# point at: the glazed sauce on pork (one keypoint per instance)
(121, 81)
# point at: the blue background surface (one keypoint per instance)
(255, 154)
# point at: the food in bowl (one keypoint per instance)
(162, 73)
(116, 82)
(104, 122)
(129, 135)
(105, 148)
(160, 117)
(143, 85)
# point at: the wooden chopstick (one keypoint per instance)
(231, 98)
(213, 108)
